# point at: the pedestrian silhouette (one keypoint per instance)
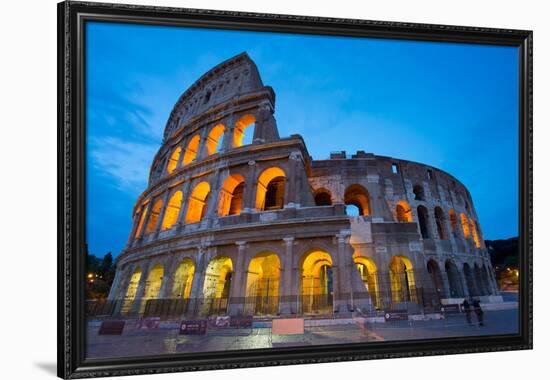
(478, 311)
(467, 311)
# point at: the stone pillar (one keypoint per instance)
(464, 282)
(197, 284)
(202, 151)
(213, 199)
(286, 300)
(444, 280)
(238, 283)
(162, 212)
(290, 181)
(342, 299)
(167, 279)
(140, 292)
(227, 140)
(115, 287)
(249, 203)
(185, 190)
(148, 207)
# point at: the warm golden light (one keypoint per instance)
(240, 126)
(141, 221)
(465, 226)
(217, 282)
(231, 195)
(173, 161)
(274, 194)
(152, 285)
(368, 272)
(213, 140)
(474, 233)
(197, 206)
(191, 150)
(262, 284)
(358, 196)
(402, 280)
(154, 217)
(172, 210)
(183, 279)
(131, 291)
(403, 212)
(317, 282)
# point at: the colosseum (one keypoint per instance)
(237, 220)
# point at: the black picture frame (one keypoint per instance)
(71, 187)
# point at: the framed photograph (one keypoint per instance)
(241, 189)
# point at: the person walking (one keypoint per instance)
(478, 311)
(467, 311)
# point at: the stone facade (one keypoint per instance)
(237, 227)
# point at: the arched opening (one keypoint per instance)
(465, 226)
(183, 279)
(474, 233)
(271, 189)
(368, 272)
(191, 150)
(455, 283)
(423, 222)
(143, 214)
(403, 212)
(131, 291)
(454, 221)
(472, 289)
(440, 223)
(262, 284)
(154, 217)
(357, 196)
(317, 282)
(323, 197)
(403, 287)
(173, 161)
(172, 210)
(217, 285)
(213, 142)
(152, 285)
(198, 203)
(418, 191)
(231, 195)
(241, 125)
(437, 279)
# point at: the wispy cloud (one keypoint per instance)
(126, 164)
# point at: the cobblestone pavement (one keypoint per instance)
(136, 342)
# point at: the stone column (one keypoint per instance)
(167, 279)
(202, 151)
(213, 199)
(148, 207)
(185, 189)
(286, 300)
(197, 284)
(227, 142)
(115, 287)
(249, 203)
(140, 292)
(342, 299)
(162, 212)
(444, 279)
(238, 283)
(290, 181)
(464, 283)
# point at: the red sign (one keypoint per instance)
(193, 327)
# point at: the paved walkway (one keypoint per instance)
(137, 342)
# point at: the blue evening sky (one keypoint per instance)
(452, 106)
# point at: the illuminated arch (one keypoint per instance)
(403, 212)
(358, 196)
(191, 150)
(213, 142)
(271, 189)
(198, 203)
(172, 210)
(465, 226)
(262, 284)
(152, 285)
(474, 233)
(440, 223)
(183, 279)
(131, 291)
(141, 220)
(403, 287)
(323, 197)
(173, 161)
(231, 195)
(317, 282)
(217, 284)
(368, 272)
(240, 126)
(154, 217)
